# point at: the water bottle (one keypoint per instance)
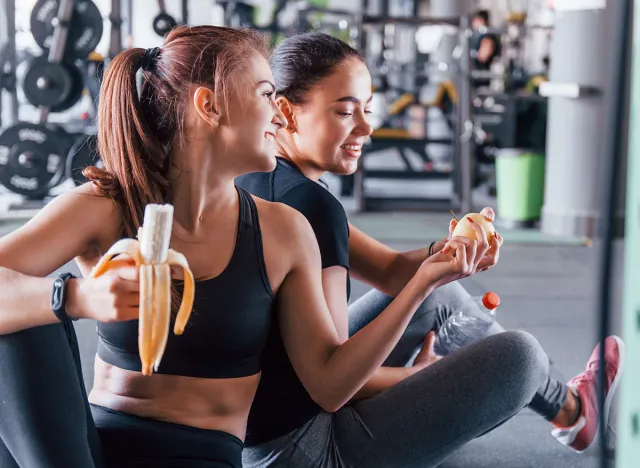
(468, 324)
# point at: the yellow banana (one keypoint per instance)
(151, 253)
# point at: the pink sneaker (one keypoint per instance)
(582, 434)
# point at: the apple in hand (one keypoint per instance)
(464, 229)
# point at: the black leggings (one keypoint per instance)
(132, 441)
(46, 420)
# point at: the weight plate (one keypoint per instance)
(83, 153)
(76, 90)
(55, 85)
(32, 159)
(65, 138)
(163, 23)
(85, 30)
(46, 84)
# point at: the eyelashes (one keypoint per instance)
(346, 115)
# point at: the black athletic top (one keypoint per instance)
(228, 328)
(282, 404)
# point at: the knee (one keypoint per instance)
(443, 302)
(526, 360)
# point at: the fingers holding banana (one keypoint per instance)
(150, 259)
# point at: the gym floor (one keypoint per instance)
(547, 287)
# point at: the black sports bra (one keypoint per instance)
(228, 328)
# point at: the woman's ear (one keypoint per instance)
(204, 100)
(287, 110)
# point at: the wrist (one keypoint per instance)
(438, 246)
(73, 299)
(414, 369)
(426, 279)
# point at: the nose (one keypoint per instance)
(363, 127)
(278, 119)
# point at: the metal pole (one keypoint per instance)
(128, 17)
(185, 12)
(58, 42)
(465, 123)
(628, 446)
(115, 45)
(8, 41)
(614, 136)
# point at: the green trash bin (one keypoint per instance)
(519, 186)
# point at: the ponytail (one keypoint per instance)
(139, 126)
(136, 161)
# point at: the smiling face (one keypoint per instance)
(328, 130)
(253, 117)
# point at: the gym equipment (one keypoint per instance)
(8, 63)
(511, 120)
(94, 72)
(33, 156)
(83, 153)
(387, 39)
(85, 27)
(163, 22)
(238, 14)
(32, 159)
(55, 85)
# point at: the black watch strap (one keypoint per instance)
(58, 296)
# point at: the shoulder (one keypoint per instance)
(281, 222)
(86, 205)
(85, 208)
(103, 207)
(271, 185)
(311, 215)
(287, 239)
(315, 202)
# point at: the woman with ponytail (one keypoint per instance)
(177, 125)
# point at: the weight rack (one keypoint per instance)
(36, 157)
(480, 123)
(462, 129)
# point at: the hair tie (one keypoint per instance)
(149, 58)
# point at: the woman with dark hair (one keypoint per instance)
(177, 125)
(413, 411)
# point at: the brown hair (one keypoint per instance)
(137, 135)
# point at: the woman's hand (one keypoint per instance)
(458, 259)
(112, 297)
(493, 253)
(427, 355)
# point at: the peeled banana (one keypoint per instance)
(153, 256)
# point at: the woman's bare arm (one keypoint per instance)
(334, 286)
(61, 231)
(331, 370)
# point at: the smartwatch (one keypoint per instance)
(58, 297)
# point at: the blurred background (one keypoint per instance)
(523, 106)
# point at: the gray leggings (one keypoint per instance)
(425, 418)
